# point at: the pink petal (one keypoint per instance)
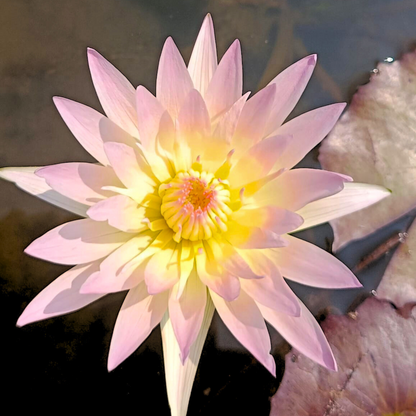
(243, 318)
(308, 130)
(193, 116)
(81, 182)
(278, 220)
(130, 167)
(139, 314)
(61, 296)
(187, 312)
(121, 212)
(252, 237)
(111, 132)
(173, 80)
(220, 281)
(226, 126)
(258, 160)
(308, 264)
(203, 61)
(149, 112)
(114, 91)
(26, 179)
(84, 124)
(271, 291)
(110, 277)
(290, 85)
(226, 85)
(77, 242)
(254, 116)
(295, 188)
(303, 333)
(162, 270)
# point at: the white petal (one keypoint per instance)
(203, 61)
(180, 378)
(25, 178)
(353, 197)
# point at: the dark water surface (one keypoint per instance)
(61, 363)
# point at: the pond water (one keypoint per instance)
(62, 361)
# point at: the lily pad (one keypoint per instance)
(398, 284)
(376, 376)
(375, 142)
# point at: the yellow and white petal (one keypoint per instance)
(179, 376)
(257, 161)
(162, 270)
(110, 277)
(187, 312)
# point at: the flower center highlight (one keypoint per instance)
(195, 205)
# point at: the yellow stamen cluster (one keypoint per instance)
(195, 205)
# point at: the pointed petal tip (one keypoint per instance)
(271, 365)
(313, 59)
(21, 321)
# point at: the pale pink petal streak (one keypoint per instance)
(173, 79)
(61, 296)
(290, 85)
(139, 314)
(77, 242)
(308, 264)
(226, 85)
(244, 320)
(303, 333)
(307, 131)
(116, 94)
(82, 182)
(187, 312)
(203, 61)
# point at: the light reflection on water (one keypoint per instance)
(43, 54)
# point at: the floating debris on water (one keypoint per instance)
(381, 251)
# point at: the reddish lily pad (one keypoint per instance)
(375, 142)
(374, 348)
(398, 284)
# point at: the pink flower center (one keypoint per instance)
(195, 205)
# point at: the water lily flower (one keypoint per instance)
(189, 208)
